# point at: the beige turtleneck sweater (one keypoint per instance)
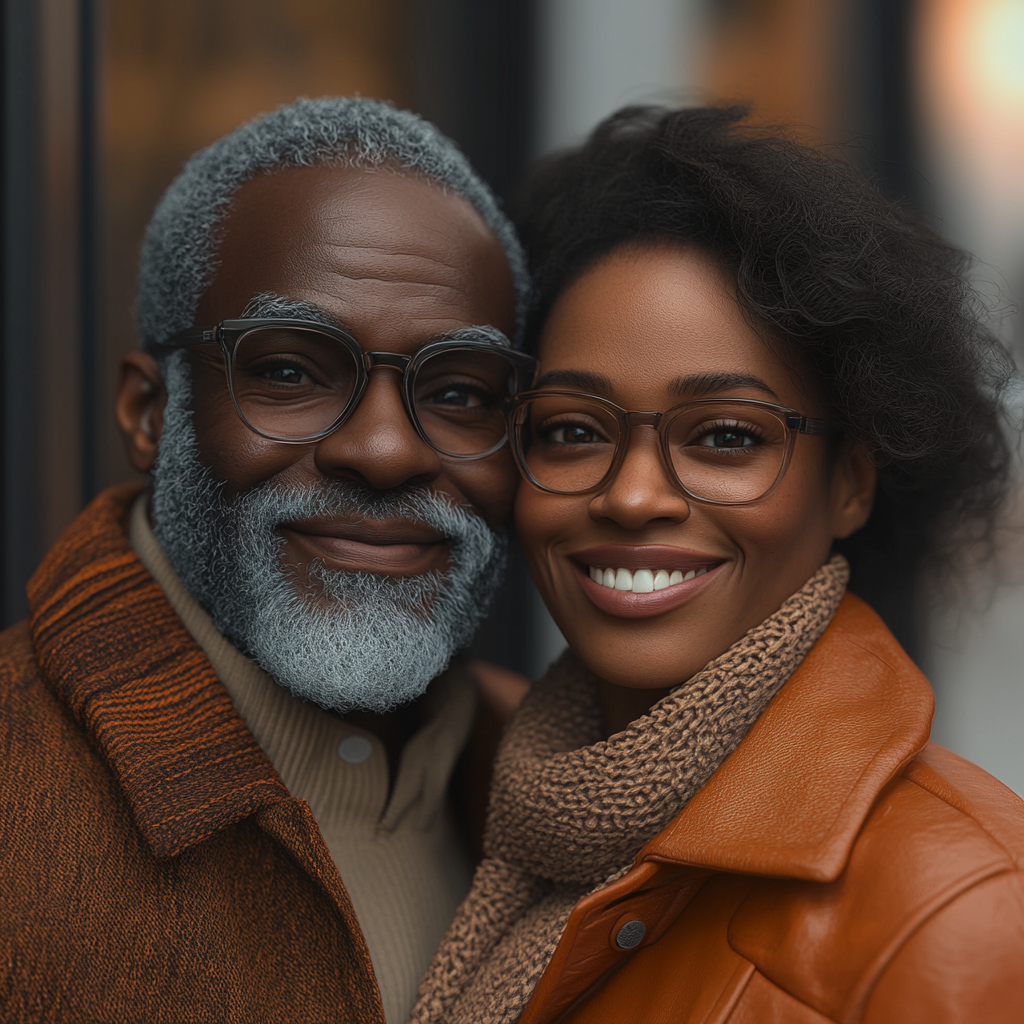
(400, 858)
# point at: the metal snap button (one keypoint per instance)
(355, 749)
(631, 934)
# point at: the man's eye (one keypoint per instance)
(461, 397)
(285, 375)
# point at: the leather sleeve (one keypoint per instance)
(964, 965)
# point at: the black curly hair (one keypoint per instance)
(878, 305)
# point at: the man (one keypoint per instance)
(228, 728)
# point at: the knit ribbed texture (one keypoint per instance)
(569, 810)
(400, 858)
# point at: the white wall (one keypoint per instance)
(597, 55)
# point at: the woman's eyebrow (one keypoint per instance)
(582, 379)
(700, 384)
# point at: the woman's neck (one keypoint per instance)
(621, 705)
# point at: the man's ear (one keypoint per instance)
(141, 397)
(854, 481)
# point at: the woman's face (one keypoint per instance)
(649, 328)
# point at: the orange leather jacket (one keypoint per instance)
(837, 867)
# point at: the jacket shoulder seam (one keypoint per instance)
(952, 896)
(919, 783)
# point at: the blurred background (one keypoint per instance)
(103, 100)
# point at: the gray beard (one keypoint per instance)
(363, 640)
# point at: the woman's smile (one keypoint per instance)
(638, 581)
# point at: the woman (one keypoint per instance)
(755, 375)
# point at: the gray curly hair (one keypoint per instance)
(178, 259)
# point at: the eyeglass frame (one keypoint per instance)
(229, 333)
(793, 421)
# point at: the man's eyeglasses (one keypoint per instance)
(723, 451)
(297, 380)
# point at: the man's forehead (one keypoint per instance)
(363, 205)
(360, 242)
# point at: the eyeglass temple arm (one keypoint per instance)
(806, 425)
(193, 336)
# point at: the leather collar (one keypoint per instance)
(792, 797)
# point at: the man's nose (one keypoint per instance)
(378, 444)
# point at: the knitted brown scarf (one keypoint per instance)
(569, 811)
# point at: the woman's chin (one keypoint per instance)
(632, 670)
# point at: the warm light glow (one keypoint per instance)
(970, 74)
(995, 48)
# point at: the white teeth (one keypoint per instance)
(643, 581)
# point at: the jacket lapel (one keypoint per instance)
(115, 652)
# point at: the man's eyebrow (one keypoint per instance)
(699, 385)
(585, 380)
(478, 332)
(269, 305)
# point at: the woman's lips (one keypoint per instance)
(646, 566)
(389, 549)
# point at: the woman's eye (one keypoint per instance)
(728, 437)
(570, 435)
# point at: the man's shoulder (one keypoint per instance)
(24, 694)
(37, 727)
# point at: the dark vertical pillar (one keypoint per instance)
(49, 381)
(473, 77)
(881, 100)
(881, 106)
(19, 345)
(92, 354)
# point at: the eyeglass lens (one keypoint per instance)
(295, 383)
(722, 451)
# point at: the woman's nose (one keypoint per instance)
(641, 492)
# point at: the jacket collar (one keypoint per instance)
(792, 797)
(115, 652)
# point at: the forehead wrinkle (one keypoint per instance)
(448, 260)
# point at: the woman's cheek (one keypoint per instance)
(546, 523)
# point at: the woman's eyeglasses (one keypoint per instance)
(724, 451)
(296, 381)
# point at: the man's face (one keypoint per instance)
(399, 263)
(350, 568)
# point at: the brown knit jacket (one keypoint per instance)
(153, 867)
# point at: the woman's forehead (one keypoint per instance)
(661, 321)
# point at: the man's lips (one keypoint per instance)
(386, 547)
(674, 571)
